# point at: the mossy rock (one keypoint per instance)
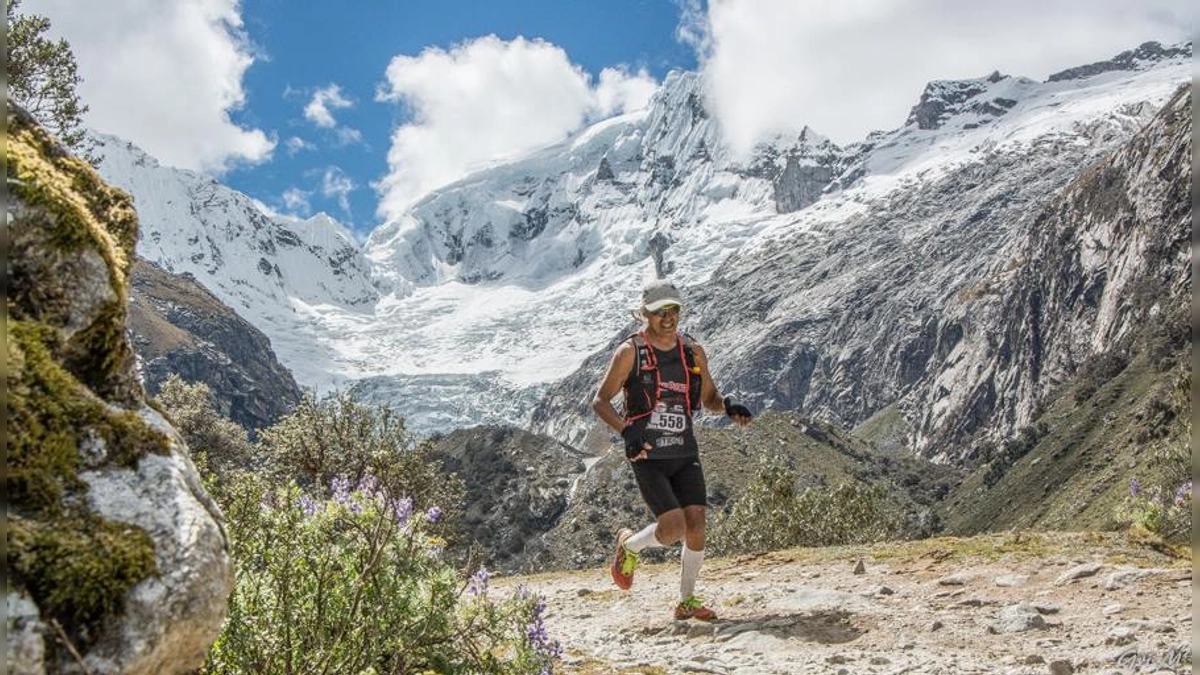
(72, 387)
(71, 241)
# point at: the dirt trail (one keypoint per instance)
(1030, 603)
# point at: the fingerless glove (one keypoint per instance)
(734, 409)
(633, 440)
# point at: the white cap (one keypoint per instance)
(658, 294)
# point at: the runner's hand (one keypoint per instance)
(635, 448)
(737, 412)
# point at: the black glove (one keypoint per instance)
(633, 441)
(734, 409)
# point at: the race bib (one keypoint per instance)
(669, 422)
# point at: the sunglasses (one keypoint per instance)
(665, 310)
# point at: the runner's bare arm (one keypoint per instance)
(618, 372)
(710, 398)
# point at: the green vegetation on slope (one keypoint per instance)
(1095, 438)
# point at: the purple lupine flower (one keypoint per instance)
(340, 487)
(402, 509)
(535, 632)
(307, 505)
(369, 485)
(434, 514)
(1183, 494)
(1135, 488)
(479, 582)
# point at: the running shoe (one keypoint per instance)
(693, 608)
(624, 562)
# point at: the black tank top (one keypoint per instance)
(668, 427)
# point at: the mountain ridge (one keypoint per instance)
(494, 287)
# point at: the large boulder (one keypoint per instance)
(117, 561)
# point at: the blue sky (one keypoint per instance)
(359, 108)
(304, 51)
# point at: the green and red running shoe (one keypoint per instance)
(693, 608)
(624, 562)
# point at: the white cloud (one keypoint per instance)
(618, 91)
(295, 201)
(318, 108)
(295, 144)
(850, 67)
(165, 75)
(485, 100)
(335, 183)
(348, 136)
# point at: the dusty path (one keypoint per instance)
(1033, 603)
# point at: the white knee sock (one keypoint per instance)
(643, 539)
(691, 570)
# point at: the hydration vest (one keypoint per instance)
(644, 384)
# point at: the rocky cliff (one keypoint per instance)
(180, 328)
(1105, 257)
(116, 558)
(1094, 365)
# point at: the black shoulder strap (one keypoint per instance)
(689, 348)
(639, 344)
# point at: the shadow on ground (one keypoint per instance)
(824, 627)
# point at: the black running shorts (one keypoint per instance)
(668, 484)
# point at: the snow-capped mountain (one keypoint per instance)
(494, 289)
(858, 305)
(277, 273)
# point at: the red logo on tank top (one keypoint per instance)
(678, 387)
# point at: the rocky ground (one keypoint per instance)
(1009, 603)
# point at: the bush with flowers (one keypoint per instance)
(337, 527)
(1159, 509)
(356, 583)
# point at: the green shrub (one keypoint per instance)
(219, 443)
(325, 439)
(773, 514)
(337, 538)
(356, 583)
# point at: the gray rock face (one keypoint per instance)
(1094, 265)
(169, 620)
(179, 328)
(1147, 53)
(944, 98)
(25, 635)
